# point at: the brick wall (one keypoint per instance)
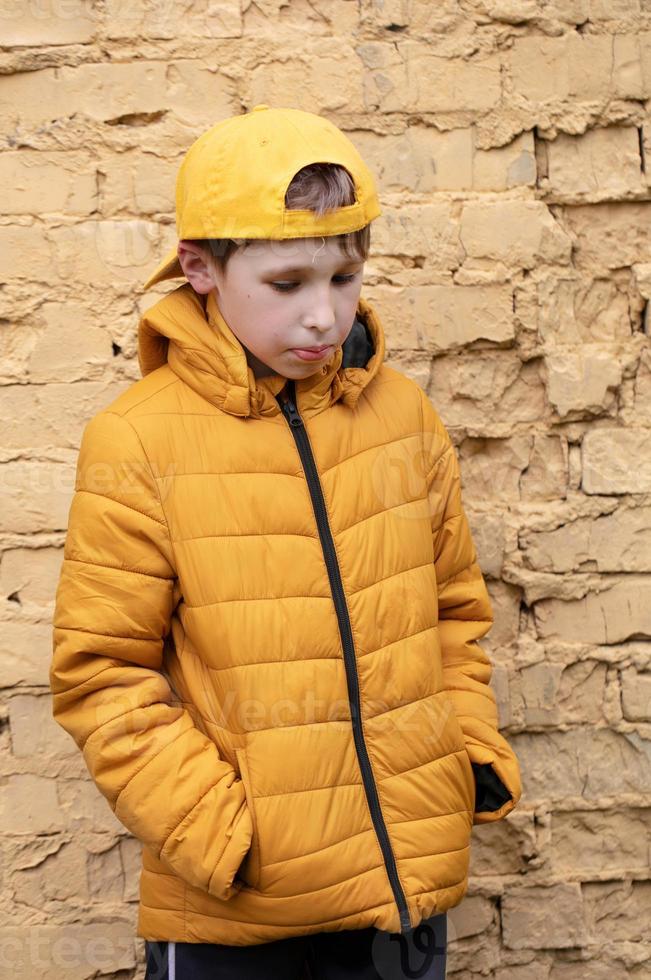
(511, 140)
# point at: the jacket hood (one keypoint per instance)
(188, 332)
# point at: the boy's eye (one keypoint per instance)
(285, 287)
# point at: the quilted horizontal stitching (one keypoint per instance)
(444, 581)
(147, 761)
(249, 534)
(448, 850)
(197, 913)
(397, 707)
(120, 568)
(254, 598)
(366, 449)
(161, 874)
(88, 680)
(217, 602)
(401, 571)
(457, 619)
(335, 884)
(304, 789)
(337, 843)
(336, 658)
(263, 663)
(369, 830)
(298, 476)
(401, 639)
(114, 500)
(215, 414)
(208, 915)
(377, 513)
(123, 714)
(112, 636)
(299, 724)
(143, 401)
(303, 724)
(430, 816)
(430, 762)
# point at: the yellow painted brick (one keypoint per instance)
(414, 79)
(25, 648)
(439, 318)
(571, 66)
(29, 804)
(198, 93)
(616, 460)
(518, 233)
(110, 252)
(281, 20)
(474, 391)
(36, 495)
(47, 182)
(34, 732)
(612, 235)
(320, 78)
(540, 917)
(53, 415)
(502, 168)
(138, 183)
(69, 345)
(427, 230)
(421, 18)
(24, 252)
(52, 23)
(422, 160)
(582, 382)
(102, 91)
(602, 164)
(170, 21)
(613, 9)
(30, 573)
(66, 951)
(195, 91)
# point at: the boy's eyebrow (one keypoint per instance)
(288, 270)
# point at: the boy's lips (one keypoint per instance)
(315, 348)
(312, 353)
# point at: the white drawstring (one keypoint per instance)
(171, 961)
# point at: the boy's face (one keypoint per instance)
(282, 296)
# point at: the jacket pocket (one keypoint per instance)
(249, 870)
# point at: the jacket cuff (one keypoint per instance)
(491, 793)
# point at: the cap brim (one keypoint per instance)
(169, 268)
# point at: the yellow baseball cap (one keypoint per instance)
(233, 179)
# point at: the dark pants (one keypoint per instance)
(362, 954)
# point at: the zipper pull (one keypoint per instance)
(289, 409)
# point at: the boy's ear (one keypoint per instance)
(197, 267)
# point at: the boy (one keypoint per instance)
(266, 625)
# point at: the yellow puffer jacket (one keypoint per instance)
(265, 639)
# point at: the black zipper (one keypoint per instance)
(316, 492)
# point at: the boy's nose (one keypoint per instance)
(320, 314)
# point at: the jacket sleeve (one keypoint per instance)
(465, 616)
(163, 778)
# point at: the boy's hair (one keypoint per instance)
(318, 187)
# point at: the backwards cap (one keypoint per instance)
(233, 179)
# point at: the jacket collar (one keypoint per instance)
(188, 332)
